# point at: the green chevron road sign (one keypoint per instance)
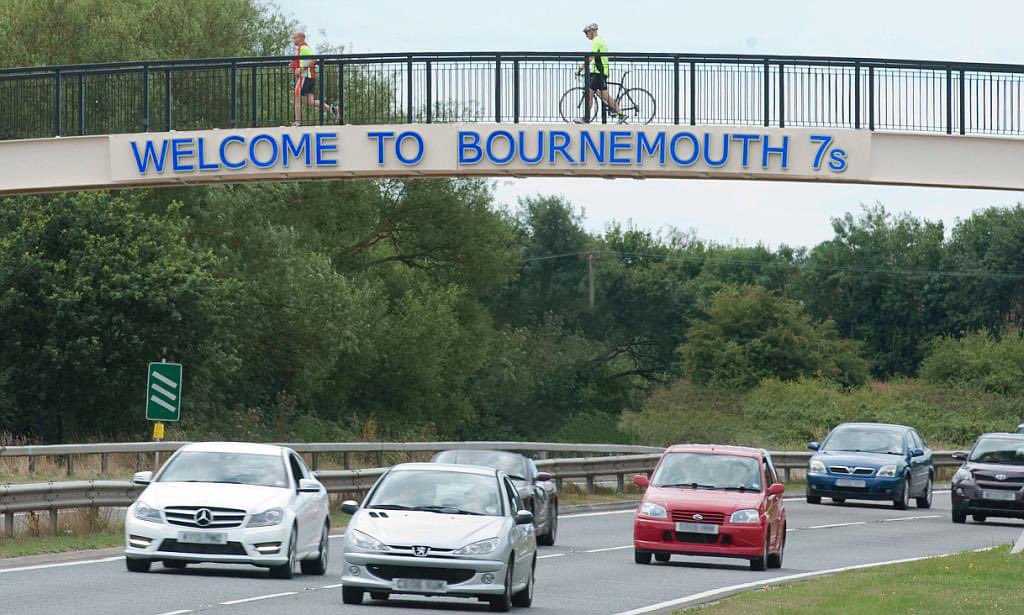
(163, 392)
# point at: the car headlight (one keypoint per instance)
(147, 513)
(655, 511)
(266, 518)
(817, 467)
(482, 547)
(747, 515)
(961, 475)
(366, 542)
(889, 470)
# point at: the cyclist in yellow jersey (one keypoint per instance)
(599, 71)
(304, 67)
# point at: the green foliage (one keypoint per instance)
(977, 360)
(751, 334)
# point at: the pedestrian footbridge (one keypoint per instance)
(853, 120)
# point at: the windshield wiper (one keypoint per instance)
(516, 477)
(690, 485)
(391, 507)
(447, 510)
(218, 482)
(740, 488)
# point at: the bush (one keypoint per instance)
(977, 360)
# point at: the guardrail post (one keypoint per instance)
(316, 461)
(32, 465)
(138, 462)
(145, 98)
(408, 88)
(782, 95)
(69, 462)
(558, 483)
(949, 101)
(693, 93)
(104, 462)
(430, 92)
(380, 459)
(590, 484)
(620, 483)
(54, 527)
(497, 89)
(234, 95)
(963, 105)
(56, 103)
(9, 524)
(81, 104)
(871, 98)
(345, 461)
(856, 95)
(675, 90)
(787, 473)
(515, 91)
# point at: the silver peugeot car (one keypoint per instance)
(436, 529)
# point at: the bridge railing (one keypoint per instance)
(685, 89)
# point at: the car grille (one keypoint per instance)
(858, 471)
(708, 517)
(220, 518)
(703, 539)
(449, 575)
(171, 545)
(406, 551)
(989, 481)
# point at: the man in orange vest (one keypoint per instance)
(304, 67)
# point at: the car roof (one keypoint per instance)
(1001, 434)
(718, 449)
(446, 467)
(235, 447)
(475, 451)
(893, 426)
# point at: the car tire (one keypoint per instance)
(902, 502)
(838, 500)
(775, 559)
(379, 595)
(524, 597)
(925, 501)
(761, 563)
(813, 499)
(137, 564)
(547, 539)
(959, 516)
(979, 518)
(286, 570)
(351, 595)
(641, 557)
(318, 566)
(175, 564)
(662, 557)
(503, 603)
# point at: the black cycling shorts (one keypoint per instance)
(598, 82)
(304, 86)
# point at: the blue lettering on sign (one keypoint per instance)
(241, 164)
(587, 143)
(767, 152)
(417, 140)
(182, 148)
(531, 160)
(201, 150)
(509, 147)
(469, 141)
(645, 146)
(559, 144)
(274, 151)
(694, 145)
(619, 143)
(382, 137)
(290, 148)
(150, 154)
(323, 148)
(746, 140)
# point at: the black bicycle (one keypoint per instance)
(637, 104)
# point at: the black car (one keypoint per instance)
(536, 489)
(990, 481)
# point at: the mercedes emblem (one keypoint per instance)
(203, 517)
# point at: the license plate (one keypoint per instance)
(1005, 496)
(203, 538)
(696, 528)
(421, 585)
(849, 482)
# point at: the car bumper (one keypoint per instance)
(967, 498)
(465, 577)
(733, 540)
(875, 488)
(159, 541)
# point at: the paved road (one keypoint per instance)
(591, 570)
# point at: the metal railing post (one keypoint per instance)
(871, 98)
(693, 93)
(234, 95)
(515, 91)
(81, 104)
(408, 87)
(497, 89)
(56, 103)
(322, 87)
(963, 103)
(586, 90)
(252, 98)
(782, 95)
(856, 95)
(949, 100)
(675, 90)
(341, 92)
(430, 92)
(145, 97)
(168, 100)
(767, 93)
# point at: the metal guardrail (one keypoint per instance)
(663, 88)
(55, 496)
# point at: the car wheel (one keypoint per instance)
(137, 564)
(925, 501)
(174, 564)
(662, 557)
(959, 516)
(838, 500)
(775, 559)
(503, 603)
(813, 499)
(761, 563)
(286, 570)
(902, 501)
(318, 565)
(547, 539)
(641, 557)
(524, 597)
(379, 595)
(351, 595)
(979, 518)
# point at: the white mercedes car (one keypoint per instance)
(230, 503)
(440, 530)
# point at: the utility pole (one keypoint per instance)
(590, 278)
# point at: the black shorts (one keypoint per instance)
(304, 86)
(598, 82)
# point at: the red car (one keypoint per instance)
(707, 500)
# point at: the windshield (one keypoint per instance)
(700, 470)
(510, 463)
(865, 440)
(444, 492)
(236, 468)
(999, 450)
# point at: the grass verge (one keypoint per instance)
(37, 545)
(983, 582)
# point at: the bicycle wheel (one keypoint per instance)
(639, 106)
(573, 104)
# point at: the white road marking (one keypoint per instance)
(913, 518)
(550, 555)
(255, 598)
(335, 586)
(62, 564)
(628, 511)
(181, 612)
(831, 525)
(608, 549)
(1018, 546)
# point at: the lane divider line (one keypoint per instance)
(181, 612)
(334, 586)
(912, 518)
(550, 555)
(608, 549)
(62, 564)
(831, 525)
(255, 598)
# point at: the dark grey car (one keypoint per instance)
(536, 489)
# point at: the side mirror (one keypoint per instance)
(543, 477)
(641, 481)
(349, 507)
(308, 485)
(813, 446)
(142, 478)
(776, 489)
(962, 456)
(916, 452)
(524, 517)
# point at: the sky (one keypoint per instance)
(742, 212)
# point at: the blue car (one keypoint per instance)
(871, 461)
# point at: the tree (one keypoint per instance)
(977, 360)
(751, 334)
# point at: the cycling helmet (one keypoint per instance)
(591, 27)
